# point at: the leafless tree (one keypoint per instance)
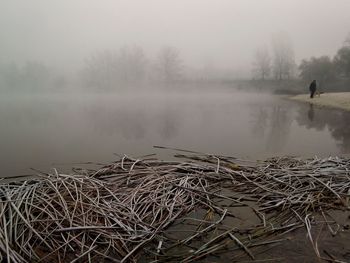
(283, 61)
(109, 69)
(101, 70)
(262, 63)
(132, 64)
(169, 65)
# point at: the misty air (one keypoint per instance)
(175, 131)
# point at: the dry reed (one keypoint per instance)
(122, 211)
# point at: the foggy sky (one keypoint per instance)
(221, 33)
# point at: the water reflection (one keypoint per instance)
(169, 125)
(260, 121)
(133, 123)
(39, 131)
(311, 112)
(280, 125)
(272, 125)
(336, 121)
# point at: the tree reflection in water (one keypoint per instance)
(311, 112)
(280, 123)
(336, 121)
(272, 124)
(133, 123)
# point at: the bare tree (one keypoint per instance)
(169, 65)
(132, 65)
(109, 68)
(101, 70)
(262, 63)
(283, 61)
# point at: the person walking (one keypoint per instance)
(312, 88)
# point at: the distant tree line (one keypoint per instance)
(330, 73)
(31, 76)
(104, 70)
(281, 66)
(333, 73)
(129, 66)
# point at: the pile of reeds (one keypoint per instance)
(122, 212)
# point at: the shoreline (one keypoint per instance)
(336, 100)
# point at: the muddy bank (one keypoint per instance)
(339, 100)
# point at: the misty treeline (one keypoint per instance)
(332, 74)
(30, 76)
(281, 65)
(105, 70)
(129, 67)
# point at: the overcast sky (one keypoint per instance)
(224, 33)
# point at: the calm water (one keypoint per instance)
(48, 131)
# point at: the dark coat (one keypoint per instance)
(312, 86)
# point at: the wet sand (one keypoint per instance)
(340, 100)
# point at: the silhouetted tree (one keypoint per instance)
(283, 61)
(320, 68)
(36, 75)
(101, 70)
(169, 65)
(33, 75)
(10, 76)
(262, 63)
(109, 68)
(132, 65)
(342, 61)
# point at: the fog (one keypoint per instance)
(83, 79)
(109, 104)
(211, 33)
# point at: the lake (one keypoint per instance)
(46, 131)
